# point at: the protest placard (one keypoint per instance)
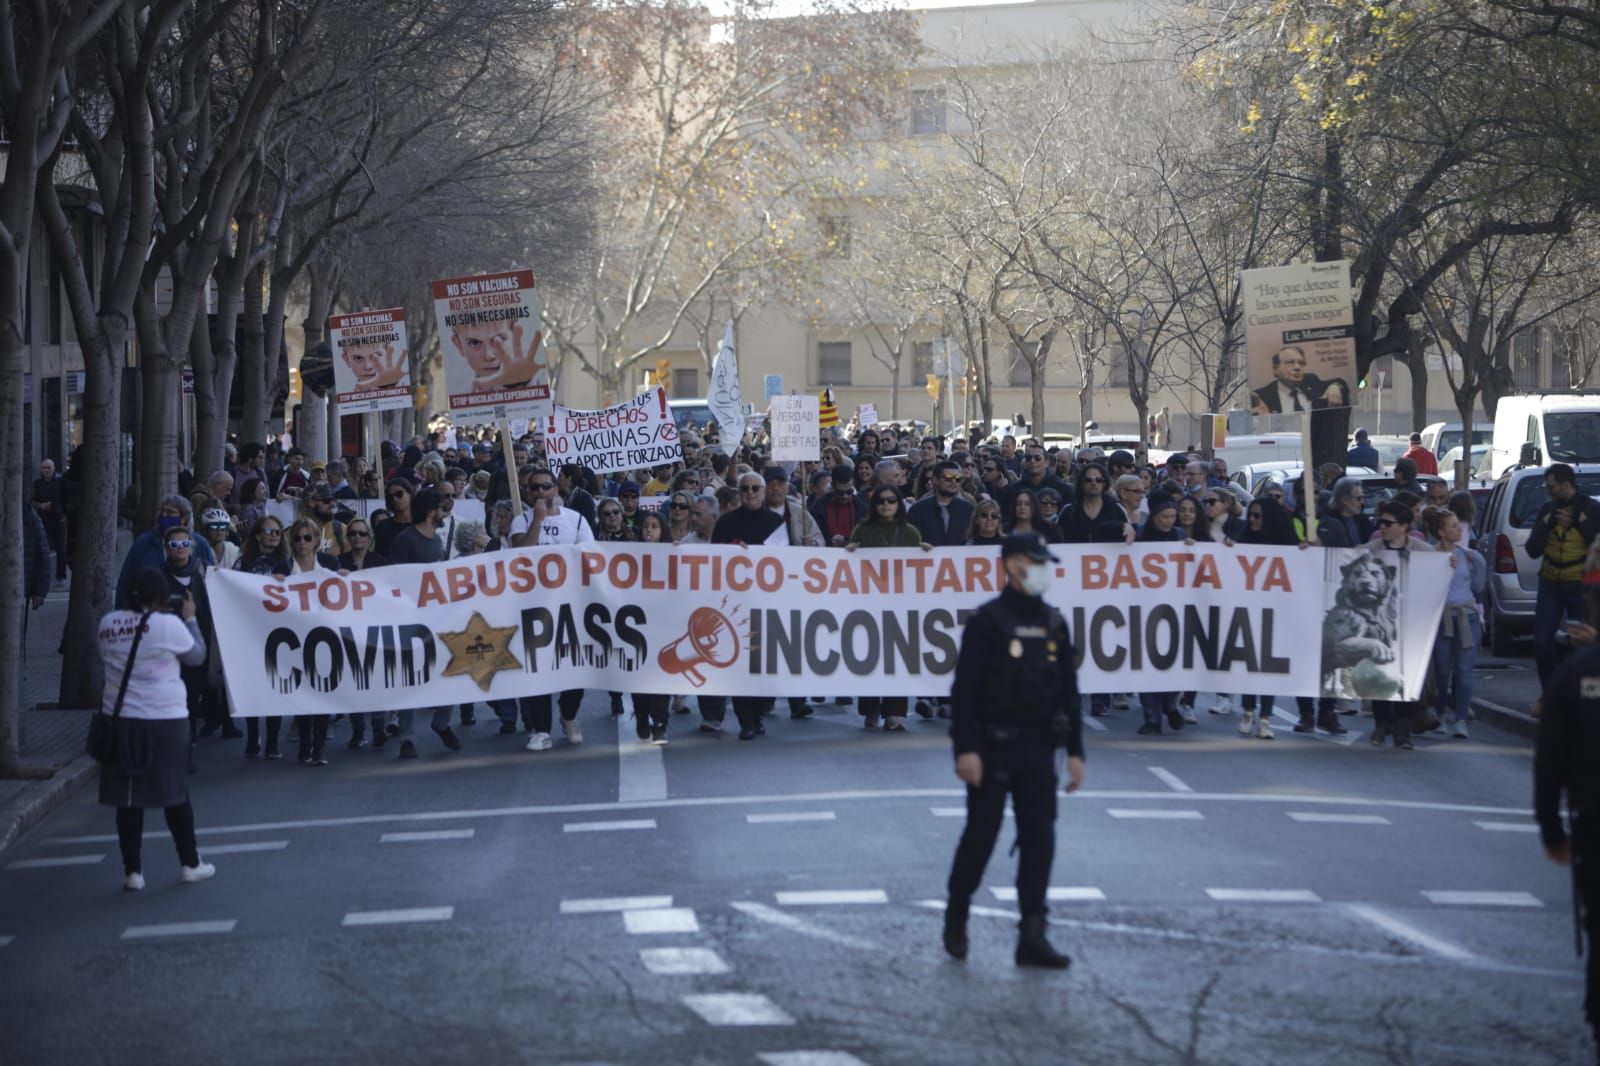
(492, 345)
(1299, 337)
(796, 429)
(725, 398)
(632, 435)
(868, 415)
(371, 368)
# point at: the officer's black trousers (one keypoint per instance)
(1586, 853)
(1026, 773)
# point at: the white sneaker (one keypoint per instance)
(539, 742)
(133, 883)
(1188, 714)
(1247, 722)
(190, 874)
(1264, 729)
(872, 721)
(573, 732)
(1461, 729)
(1222, 706)
(1119, 702)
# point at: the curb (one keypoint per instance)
(1512, 721)
(28, 810)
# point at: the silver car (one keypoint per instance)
(1501, 533)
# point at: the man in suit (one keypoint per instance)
(1292, 389)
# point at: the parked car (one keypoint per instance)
(1477, 466)
(1389, 449)
(1257, 477)
(1440, 437)
(1501, 535)
(691, 414)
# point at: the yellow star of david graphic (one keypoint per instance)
(480, 651)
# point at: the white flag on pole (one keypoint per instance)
(724, 397)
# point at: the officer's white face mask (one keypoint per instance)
(1036, 578)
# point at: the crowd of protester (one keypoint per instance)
(875, 487)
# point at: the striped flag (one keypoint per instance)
(828, 410)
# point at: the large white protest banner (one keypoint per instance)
(631, 435)
(725, 398)
(1299, 337)
(796, 429)
(495, 364)
(794, 621)
(371, 368)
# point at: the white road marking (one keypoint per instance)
(1155, 814)
(60, 860)
(1168, 778)
(1483, 899)
(850, 796)
(790, 816)
(828, 897)
(246, 848)
(1263, 895)
(1410, 933)
(737, 1008)
(661, 920)
(1508, 827)
(6, 940)
(138, 932)
(641, 768)
(427, 834)
(809, 1058)
(608, 827)
(1094, 723)
(613, 904)
(960, 812)
(400, 917)
(1053, 894)
(1338, 819)
(682, 962)
(764, 913)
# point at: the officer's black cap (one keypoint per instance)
(1031, 545)
(1120, 457)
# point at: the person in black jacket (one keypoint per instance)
(1345, 524)
(1014, 701)
(1566, 765)
(942, 516)
(1092, 506)
(1562, 532)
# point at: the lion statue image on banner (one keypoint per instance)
(1360, 653)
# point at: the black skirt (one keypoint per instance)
(152, 767)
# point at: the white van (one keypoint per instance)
(1560, 427)
(1244, 450)
(1440, 437)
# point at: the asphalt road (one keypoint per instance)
(1226, 900)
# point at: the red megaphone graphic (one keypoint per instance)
(711, 639)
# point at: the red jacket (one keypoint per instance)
(1426, 463)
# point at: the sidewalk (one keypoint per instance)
(53, 762)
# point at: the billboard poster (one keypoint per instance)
(1299, 337)
(495, 365)
(371, 369)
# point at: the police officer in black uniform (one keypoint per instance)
(1567, 762)
(1014, 702)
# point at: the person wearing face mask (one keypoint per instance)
(1013, 703)
(148, 550)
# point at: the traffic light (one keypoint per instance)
(664, 375)
(935, 383)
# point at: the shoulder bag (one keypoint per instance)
(102, 743)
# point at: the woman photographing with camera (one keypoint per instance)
(145, 759)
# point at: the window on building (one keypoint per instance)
(1560, 361)
(1020, 375)
(927, 111)
(685, 382)
(835, 233)
(833, 362)
(1385, 366)
(921, 362)
(1117, 368)
(1525, 358)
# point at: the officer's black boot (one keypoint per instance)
(955, 927)
(1033, 949)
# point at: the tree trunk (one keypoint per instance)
(211, 414)
(256, 399)
(894, 383)
(1086, 400)
(1036, 385)
(13, 261)
(985, 381)
(1418, 364)
(158, 422)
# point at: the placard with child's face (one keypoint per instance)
(492, 344)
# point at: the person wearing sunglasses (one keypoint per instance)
(1093, 506)
(986, 525)
(1266, 522)
(680, 508)
(420, 542)
(886, 526)
(306, 557)
(943, 517)
(186, 580)
(397, 496)
(612, 525)
(751, 522)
